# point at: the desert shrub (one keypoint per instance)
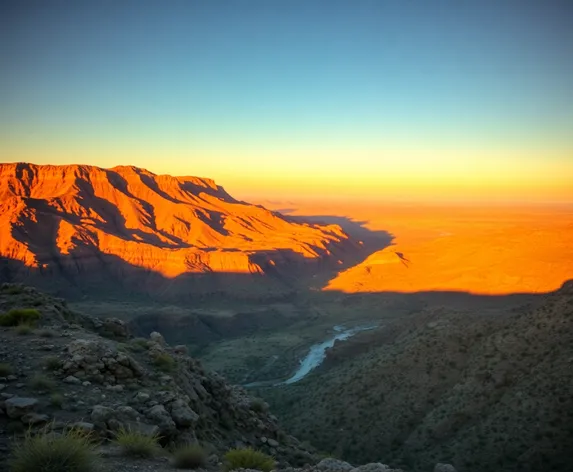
(47, 333)
(18, 316)
(52, 363)
(5, 369)
(23, 329)
(192, 456)
(136, 444)
(164, 362)
(248, 458)
(56, 400)
(258, 405)
(41, 382)
(138, 345)
(13, 289)
(71, 451)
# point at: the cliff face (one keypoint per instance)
(73, 221)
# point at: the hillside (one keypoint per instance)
(68, 371)
(485, 390)
(82, 228)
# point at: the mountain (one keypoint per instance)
(84, 228)
(484, 390)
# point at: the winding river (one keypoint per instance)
(315, 356)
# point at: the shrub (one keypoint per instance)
(47, 333)
(248, 458)
(41, 382)
(192, 456)
(138, 344)
(258, 405)
(18, 316)
(5, 369)
(164, 362)
(136, 444)
(52, 363)
(13, 289)
(23, 329)
(70, 452)
(56, 400)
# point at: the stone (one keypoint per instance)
(101, 415)
(70, 379)
(159, 416)
(141, 397)
(373, 467)
(272, 443)
(334, 465)
(182, 414)
(444, 468)
(16, 407)
(83, 426)
(142, 428)
(180, 349)
(157, 338)
(34, 419)
(2, 387)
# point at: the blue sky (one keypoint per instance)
(258, 93)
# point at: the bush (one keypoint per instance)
(192, 456)
(41, 382)
(56, 400)
(47, 333)
(23, 329)
(70, 452)
(258, 405)
(248, 458)
(19, 316)
(164, 362)
(138, 345)
(136, 444)
(5, 369)
(52, 363)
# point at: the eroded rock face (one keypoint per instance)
(143, 228)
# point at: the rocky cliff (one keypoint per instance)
(93, 228)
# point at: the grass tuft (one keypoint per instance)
(41, 382)
(71, 451)
(52, 363)
(248, 458)
(19, 316)
(57, 400)
(23, 329)
(5, 369)
(136, 444)
(192, 456)
(164, 362)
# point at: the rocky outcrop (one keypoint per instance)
(72, 223)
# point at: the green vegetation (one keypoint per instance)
(136, 444)
(71, 451)
(248, 458)
(23, 329)
(5, 369)
(192, 456)
(138, 345)
(52, 363)
(164, 362)
(13, 289)
(41, 382)
(57, 400)
(20, 316)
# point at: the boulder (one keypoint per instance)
(33, 419)
(16, 407)
(182, 414)
(444, 468)
(331, 464)
(101, 415)
(157, 338)
(159, 416)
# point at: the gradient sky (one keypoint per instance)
(404, 98)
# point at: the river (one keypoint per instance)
(315, 356)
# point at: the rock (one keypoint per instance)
(83, 426)
(142, 428)
(160, 417)
(101, 415)
(141, 397)
(182, 414)
(16, 407)
(70, 379)
(157, 338)
(34, 419)
(2, 387)
(444, 468)
(373, 467)
(87, 383)
(180, 349)
(334, 465)
(115, 388)
(272, 443)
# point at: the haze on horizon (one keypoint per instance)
(371, 99)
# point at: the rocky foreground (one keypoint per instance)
(73, 370)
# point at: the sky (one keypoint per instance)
(365, 99)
